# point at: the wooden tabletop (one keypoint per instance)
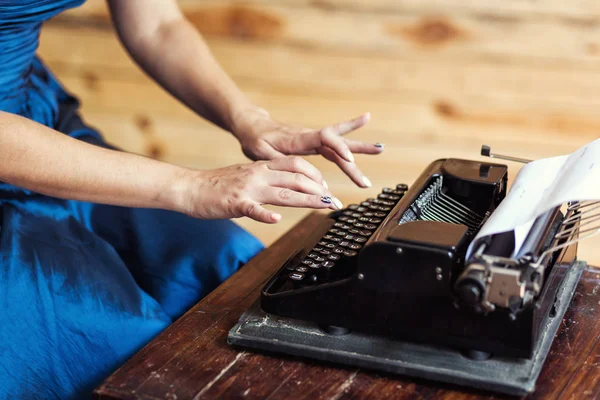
(191, 359)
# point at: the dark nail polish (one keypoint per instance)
(326, 199)
(379, 145)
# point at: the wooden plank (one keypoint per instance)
(444, 34)
(191, 359)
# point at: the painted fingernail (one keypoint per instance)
(366, 181)
(338, 204)
(326, 199)
(349, 156)
(325, 184)
(379, 145)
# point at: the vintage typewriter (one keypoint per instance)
(403, 266)
(395, 265)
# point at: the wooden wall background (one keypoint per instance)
(441, 77)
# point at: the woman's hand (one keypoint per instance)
(241, 190)
(263, 138)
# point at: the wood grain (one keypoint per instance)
(191, 359)
(441, 77)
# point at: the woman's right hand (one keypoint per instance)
(242, 190)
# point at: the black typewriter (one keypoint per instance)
(396, 265)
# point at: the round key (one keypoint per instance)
(301, 269)
(374, 220)
(338, 224)
(345, 243)
(348, 212)
(385, 208)
(361, 209)
(359, 225)
(334, 230)
(387, 190)
(398, 192)
(330, 245)
(297, 276)
(363, 219)
(354, 231)
(365, 204)
(374, 207)
(377, 201)
(393, 197)
(356, 215)
(344, 218)
(378, 214)
(327, 264)
(349, 237)
(387, 203)
(371, 199)
(346, 227)
(325, 252)
(383, 196)
(355, 246)
(340, 233)
(360, 239)
(313, 255)
(402, 186)
(334, 257)
(337, 250)
(328, 237)
(370, 226)
(307, 262)
(335, 239)
(365, 232)
(368, 214)
(319, 259)
(351, 220)
(317, 249)
(353, 206)
(315, 265)
(350, 253)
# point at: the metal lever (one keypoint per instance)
(486, 152)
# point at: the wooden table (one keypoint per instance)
(191, 359)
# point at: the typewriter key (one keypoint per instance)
(315, 265)
(337, 250)
(317, 249)
(307, 262)
(359, 225)
(338, 224)
(325, 252)
(387, 203)
(333, 230)
(402, 187)
(340, 233)
(374, 207)
(327, 264)
(347, 227)
(345, 243)
(344, 218)
(378, 214)
(357, 215)
(361, 209)
(349, 237)
(365, 233)
(377, 201)
(370, 226)
(393, 197)
(348, 212)
(353, 206)
(354, 231)
(354, 246)
(319, 258)
(334, 257)
(383, 196)
(387, 190)
(360, 239)
(350, 253)
(375, 220)
(328, 237)
(313, 255)
(368, 214)
(351, 220)
(330, 245)
(363, 219)
(301, 269)
(334, 239)
(297, 276)
(385, 208)
(365, 204)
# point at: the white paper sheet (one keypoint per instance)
(542, 185)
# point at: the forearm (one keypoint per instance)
(45, 161)
(175, 55)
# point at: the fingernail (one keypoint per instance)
(379, 145)
(276, 217)
(349, 156)
(338, 204)
(326, 199)
(366, 181)
(325, 184)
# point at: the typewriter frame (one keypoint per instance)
(418, 304)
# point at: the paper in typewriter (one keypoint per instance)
(542, 185)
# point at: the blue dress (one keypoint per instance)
(84, 286)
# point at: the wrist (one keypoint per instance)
(180, 190)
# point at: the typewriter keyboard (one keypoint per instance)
(333, 256)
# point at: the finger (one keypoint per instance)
(265, 151)
(356, 146)
(349, 168)
(297, 164)
(348, 126)
(260, 214)
(307, 143)
(289, 198)
(296, 181)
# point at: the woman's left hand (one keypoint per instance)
(263, 138)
